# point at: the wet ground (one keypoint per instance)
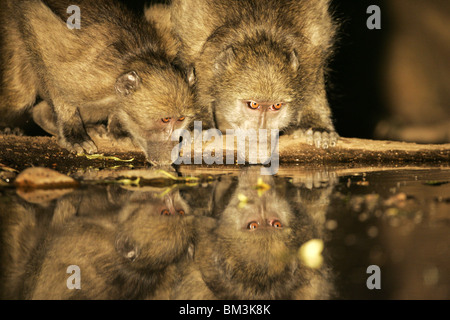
(123, 230)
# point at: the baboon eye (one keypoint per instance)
(253, 105)
(165, 120)
(276, 223)
(276, 107)
(165, 212)
(253, 225)
(181, 212)
(181, 119)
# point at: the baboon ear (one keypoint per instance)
(293, 59)
(126, 247)
(224, 58)
(128, 83)
(191, 77)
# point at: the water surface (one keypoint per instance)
(233, 235)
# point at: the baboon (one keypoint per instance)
(259, 63)
(114, 69)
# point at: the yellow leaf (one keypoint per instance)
(261, 187)
(129, 182)
(103, 157)
(311, 253)
(242, 201)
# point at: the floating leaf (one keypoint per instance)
(168, 174)
(261, 187)
(243, 200)
(121, 166)
(187, 180)
(311, 253)
(129, 182)
(436, 183)
(157, 178)
(392, 212)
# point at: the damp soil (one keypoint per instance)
(21, 152)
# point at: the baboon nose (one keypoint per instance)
(263, 120)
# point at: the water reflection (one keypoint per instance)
(247, 247)
(235, 238)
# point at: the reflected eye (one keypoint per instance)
(253, 225)
(181, 119)
(276, 107)
(253, 105)
(165, 212)
(181, 212)
(275, 223)
(165, 120)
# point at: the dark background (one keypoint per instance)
(355, 92)
(354, 82)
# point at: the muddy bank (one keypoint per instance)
(20, 152)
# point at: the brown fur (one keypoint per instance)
(130, 255)
(115, 66)
(233, 262)
(159, 14)
(23, 226)
(264, 50)
(126, 249)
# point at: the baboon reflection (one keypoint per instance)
(234, 238)
(125, 254)
(248, 247)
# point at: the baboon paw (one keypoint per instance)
(320, 139)
(14, 131)
(79, 147)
